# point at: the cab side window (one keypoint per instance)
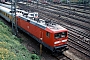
(47, 34)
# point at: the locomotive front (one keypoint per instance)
(60, 40)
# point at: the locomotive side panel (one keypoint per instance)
(29, 27)
(39, 33)
(34, 30)
(23, 24)
(48, 35)
(45, 35)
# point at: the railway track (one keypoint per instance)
(74, 29)
(77, 30)
(68, 19)
(75, 7)
(73, 20)
(80, 42)
(77, 33)
(62, 57)
(66, 16)
(84, 41)
(83, 6)
(70, 10)
(77, 36)
(81, 46)
(65, 13)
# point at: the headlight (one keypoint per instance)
(57, 42)
(64, 40)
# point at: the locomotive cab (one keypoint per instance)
(60, 41)
(61, 36)
(58, 37)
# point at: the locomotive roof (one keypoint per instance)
(45, 24)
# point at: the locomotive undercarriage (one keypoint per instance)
(59, 50)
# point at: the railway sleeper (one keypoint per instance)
(73, 46)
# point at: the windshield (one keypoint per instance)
(60, 35)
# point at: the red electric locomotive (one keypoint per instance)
(51, 35)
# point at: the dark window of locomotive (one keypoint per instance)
(47, 34)
(61, 35)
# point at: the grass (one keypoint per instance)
(11, 48)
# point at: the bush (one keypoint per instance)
(10, 46)
(5, 54)
(34, 57)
